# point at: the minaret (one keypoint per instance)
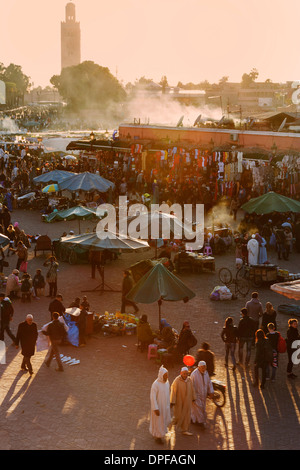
(70, 38)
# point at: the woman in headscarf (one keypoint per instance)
(160, 416)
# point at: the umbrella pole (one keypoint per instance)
(79, 225)
(159, 313)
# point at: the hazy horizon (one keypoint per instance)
(188, 42)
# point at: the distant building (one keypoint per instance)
(70, 38)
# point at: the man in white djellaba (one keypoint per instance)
(203, 388)
(160, 417)
(253, 250)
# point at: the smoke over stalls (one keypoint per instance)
(165, 110)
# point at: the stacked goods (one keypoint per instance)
(117, 324)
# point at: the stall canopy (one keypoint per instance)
(160, 225)
(271, 202)
(86, 182)
(77, 212)
(157, 285)
(55, 176)
(113, 242)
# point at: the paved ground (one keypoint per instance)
(103, 403)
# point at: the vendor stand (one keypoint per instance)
(291, 290)
(194, 262)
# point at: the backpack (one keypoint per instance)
(281, 344)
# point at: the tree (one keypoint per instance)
(88, 85)
(164, 83)
(223, 80)
(249, 78)
(17, 83)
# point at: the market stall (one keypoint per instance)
(193, 262)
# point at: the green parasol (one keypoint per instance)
(271, 202)
(157, 285)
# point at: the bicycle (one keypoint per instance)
(219, 398)
(240, 282)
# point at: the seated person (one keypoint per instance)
(168, 339)
(26, 286)
(38, 282)
(144, 332)
(13, 284)
(204, 354)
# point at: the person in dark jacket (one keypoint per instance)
(269, 316)
(56, 332)
(205, 354)
(38, 282)
(291, 336)
(7, 312)
(81, 323)
(261, 360)
(230, 335)
(56, 305)
(245, 331)
(145, 334)
(186, 340)
(273, 337)
(27, 335)
(126, 288)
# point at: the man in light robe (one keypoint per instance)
(160, 417)
(253, 250)
(203, 388)
(182, 396)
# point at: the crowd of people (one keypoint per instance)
(188, 393)
(253, 237)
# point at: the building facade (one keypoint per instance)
(70, 38)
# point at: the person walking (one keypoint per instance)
(291, 336)
(229, 336)
(160, 417)
(27, 335)
(245, 332)
(206, 355)
(126, 288)
(7, 312)
(255, 309)
(182, 397)
(269, 316)
(186, 340)
(56, 332)
(263, 357)
(51, 276)
(203, 388)
(273, 337)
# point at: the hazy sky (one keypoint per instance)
(189, 40)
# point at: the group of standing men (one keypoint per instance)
(186, 396)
